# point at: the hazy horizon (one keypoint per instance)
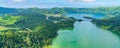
(56, 3)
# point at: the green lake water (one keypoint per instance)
(86, 35)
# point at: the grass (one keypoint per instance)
(3, 28)
(105, 27)
(8, 19)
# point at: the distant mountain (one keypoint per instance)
(4, 10)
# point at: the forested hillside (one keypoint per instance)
(112, 24)
(29, 28)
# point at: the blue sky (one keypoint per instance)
(57, 3)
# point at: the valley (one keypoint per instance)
(45, 28)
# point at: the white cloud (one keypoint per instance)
(71, 0)
(18, 0)
(89, 1)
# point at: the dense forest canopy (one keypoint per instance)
(31, 28)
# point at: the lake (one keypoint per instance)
(85, 35)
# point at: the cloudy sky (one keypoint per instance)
(57, 3)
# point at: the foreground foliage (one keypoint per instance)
(31, 30)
